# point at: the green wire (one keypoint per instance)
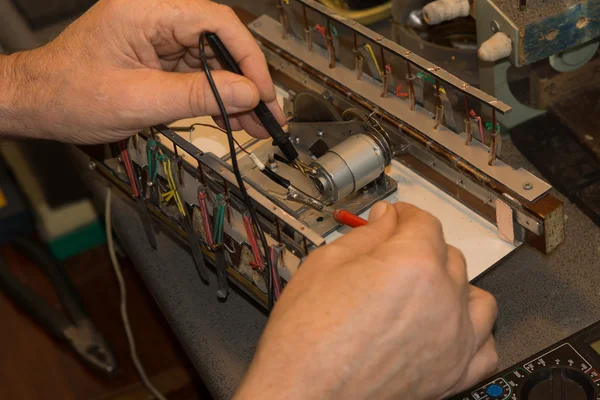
(219, 214)
(152, 160)
(488, 126)
(426, 77)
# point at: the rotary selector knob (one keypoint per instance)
(558, 383)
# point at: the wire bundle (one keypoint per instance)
(173, 193)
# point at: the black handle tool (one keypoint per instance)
(280, 138)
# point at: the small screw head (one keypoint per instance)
(320, 133)
(92, 165)
(257, 24)
(495, 26)
(527, 186)
(297, 140)
(119, 160)
(149, 184)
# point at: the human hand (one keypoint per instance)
(384, 312)
(126, 65)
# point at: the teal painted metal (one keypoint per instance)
(543, 38)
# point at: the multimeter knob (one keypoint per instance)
(558, 383)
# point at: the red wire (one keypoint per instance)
(321, 30)
(253, 244)
(128, 167)
(205, 217)
(480, 125)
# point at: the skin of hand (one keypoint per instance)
(125, 65)
(386, 311)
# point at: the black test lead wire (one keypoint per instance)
(236, 168)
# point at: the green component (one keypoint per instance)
(488, 126)
(219, 216)
(78, 241)
(333, 30)
(428, 78)
(151, 148)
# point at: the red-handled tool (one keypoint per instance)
(347, 218)
(341, 216)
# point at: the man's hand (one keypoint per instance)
(126, 65)
(384, 312)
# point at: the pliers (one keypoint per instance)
(341, 216)
(75, 328)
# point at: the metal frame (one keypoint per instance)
(409, 56)
(518, 181)
(223, 169)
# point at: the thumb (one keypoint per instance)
(185, 95)
(382, 225)
(378, 211)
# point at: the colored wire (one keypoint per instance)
(151, 150)
(128, 167)
(478, 118)
(173, 193)
(191, 127)
(205, 216)
(219, 216)
(234, 164)
(123, 294)
(370, 51)
(275, 254)
(253, 244)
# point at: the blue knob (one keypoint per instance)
(494, 390)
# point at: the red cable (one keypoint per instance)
(205, 217)
(321, 30)
(480, 125)
(399, 93)
(128, 167)
(253, 244)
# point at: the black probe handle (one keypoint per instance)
(280, 138)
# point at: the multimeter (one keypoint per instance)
(568, 370)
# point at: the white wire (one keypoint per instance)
(123, 291)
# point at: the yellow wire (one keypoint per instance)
(173, 193)
(370, 50)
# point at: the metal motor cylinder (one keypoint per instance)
(351, 165)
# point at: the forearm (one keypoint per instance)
(26, 106)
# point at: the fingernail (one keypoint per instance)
(243, 95)
(378, 211)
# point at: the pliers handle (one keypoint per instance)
(74, 327)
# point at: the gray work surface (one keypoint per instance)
(541, 298)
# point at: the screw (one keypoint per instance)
(297, 140)
(495, 26)
(257, 24)
(527, 186)
(92, 165)
(320, 133)
(119, 160)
